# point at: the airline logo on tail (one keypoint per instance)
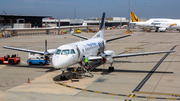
(134, 17)
(102, 22)
(100, 34)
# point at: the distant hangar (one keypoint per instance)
(21, 21)
(24, 21)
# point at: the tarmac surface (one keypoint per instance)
(140, 78)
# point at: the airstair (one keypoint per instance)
(88, 71)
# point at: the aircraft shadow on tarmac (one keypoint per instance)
(105, 71)
(94, 64)
(50, 69)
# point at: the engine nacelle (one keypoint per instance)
(162, 29)
(109, 58)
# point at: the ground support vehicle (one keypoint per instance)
(10, 60)
(37, 62)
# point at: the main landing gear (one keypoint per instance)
(111, 68)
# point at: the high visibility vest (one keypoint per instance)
(86, 60)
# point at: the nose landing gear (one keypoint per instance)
(63, 77)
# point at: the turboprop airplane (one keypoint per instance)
(158, 24)
(93, 48)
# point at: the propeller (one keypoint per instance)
(103, 55)
(46, 53)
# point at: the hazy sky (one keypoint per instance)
(90, 8)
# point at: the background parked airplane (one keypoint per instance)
(157, 24)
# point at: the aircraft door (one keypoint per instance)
(79, 53)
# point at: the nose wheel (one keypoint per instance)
(111, 69)
(62, 77)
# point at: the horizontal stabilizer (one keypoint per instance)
(81, 36)
(117, 38)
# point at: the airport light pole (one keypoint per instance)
(59, 19)
(145, 10)
(99, 13)
(121, 16)
(129, 18)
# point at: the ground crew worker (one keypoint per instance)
(86, 62)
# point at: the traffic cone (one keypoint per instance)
(28, 81)
(51, 63)
(132, 32)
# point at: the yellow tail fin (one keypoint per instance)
(134, 17)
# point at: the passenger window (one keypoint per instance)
(72, 51)
(58, 51)
(65, 52)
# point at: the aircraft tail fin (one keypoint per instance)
(100, 34)
(134, 17)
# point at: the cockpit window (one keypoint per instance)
(58, 51)
(65, 52)
(72, 51)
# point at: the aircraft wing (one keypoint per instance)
(81, 36)
(24, 50)
(117, 38)
(92, 58)
(138, 54)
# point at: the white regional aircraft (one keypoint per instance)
(69, 54)
(158, 24)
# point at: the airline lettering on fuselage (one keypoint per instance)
(155, 24)
(90, 46)
(160, 20)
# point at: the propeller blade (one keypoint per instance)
(46, 45)
(46, 60)
(102, 50)
(46, 53)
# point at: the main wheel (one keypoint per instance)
(110, 69)
(30, 63)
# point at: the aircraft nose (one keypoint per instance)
(60, 61)
(57, 63)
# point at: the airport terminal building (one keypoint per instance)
(114, 21)
(23, 21)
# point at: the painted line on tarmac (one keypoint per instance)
(141, 84)
(130, 95)
(158, 93)
(130, 49)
